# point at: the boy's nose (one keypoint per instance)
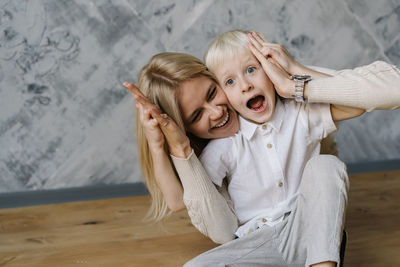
(246, 86)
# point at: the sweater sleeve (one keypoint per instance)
(208, 208)
(374, 86)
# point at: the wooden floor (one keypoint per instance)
(111, 232)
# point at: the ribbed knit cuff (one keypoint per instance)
(374, 86)
(334, 90)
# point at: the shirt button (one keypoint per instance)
(280, 184)
(269, 145)
(264, 127)
(264, 220)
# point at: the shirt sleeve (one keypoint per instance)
(214, 160)
(374, 86)
(319, 120)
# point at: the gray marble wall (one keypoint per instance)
(65, 119)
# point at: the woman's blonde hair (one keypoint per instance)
(159, 80)
(228, 45)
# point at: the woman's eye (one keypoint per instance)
(213, 92)
(229, 82)
(250, 69)
(196, 117)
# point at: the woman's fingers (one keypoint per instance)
(147, 109)
(144, 101)
(138, 95)
(279, 77)
(269, 67)
(133, 89)
(267, 49)
(140, 110)
(259, 38)
(259, 42)
(145, 118)
(152, 116)
(257, 53)
(168, 126)
(254, 42)
(162, 119)
(277, 52)
(263, 42)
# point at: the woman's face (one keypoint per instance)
(205, 109)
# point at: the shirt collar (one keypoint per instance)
(249, 128)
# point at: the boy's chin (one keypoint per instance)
(258, 118)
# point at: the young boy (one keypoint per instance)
(264, 161)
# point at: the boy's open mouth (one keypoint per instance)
(256, 103)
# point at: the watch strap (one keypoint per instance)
(299, 82)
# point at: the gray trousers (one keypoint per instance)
(310, 234)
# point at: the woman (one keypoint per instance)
(210, 210)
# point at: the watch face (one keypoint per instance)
(301, 77)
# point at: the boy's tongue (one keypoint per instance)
(256, 102)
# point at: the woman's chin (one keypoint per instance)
(229, 129)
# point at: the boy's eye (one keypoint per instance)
(229, 82)
(250, 69)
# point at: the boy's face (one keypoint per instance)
(248, 88)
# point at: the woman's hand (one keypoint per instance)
(178, 142)
(278, 53)
(279, 65)
(154, 135)
(276, 62)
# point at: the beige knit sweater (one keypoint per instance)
(375, 86)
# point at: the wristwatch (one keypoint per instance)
(299, 81)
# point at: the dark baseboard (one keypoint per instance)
(52, 196)
(39, 197)
(373, 166)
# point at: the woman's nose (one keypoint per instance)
(215, 112)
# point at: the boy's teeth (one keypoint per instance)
(224, 121)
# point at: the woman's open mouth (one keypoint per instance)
(224, 122)
(257, 104)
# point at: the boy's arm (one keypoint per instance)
(341, 113)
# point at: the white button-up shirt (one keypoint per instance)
(264, 162)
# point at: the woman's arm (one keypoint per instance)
(168, 181)
(210, 210)
(374, 86)
(164, 174)
(351, 92)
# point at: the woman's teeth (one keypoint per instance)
(223, 122)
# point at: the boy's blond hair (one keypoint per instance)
(228, 45)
